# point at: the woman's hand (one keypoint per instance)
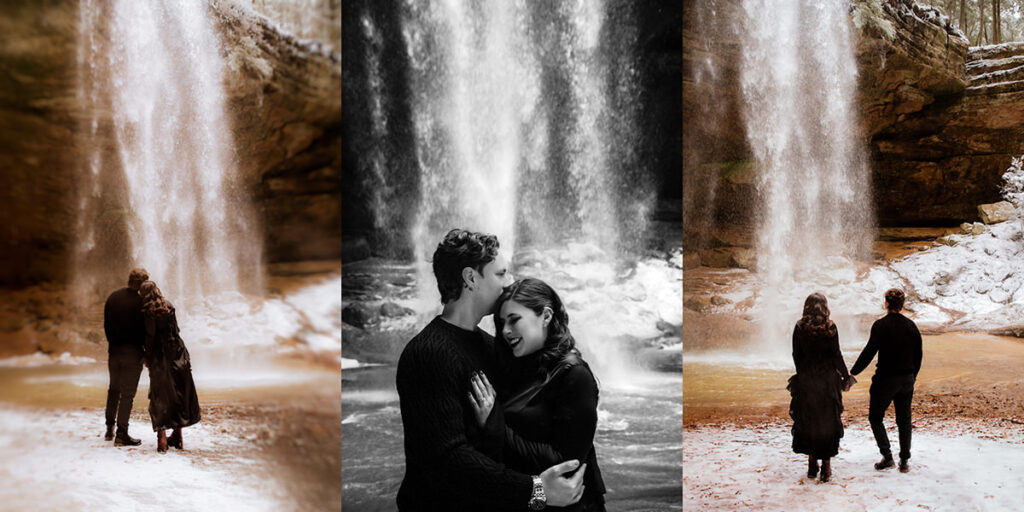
(481, 397)
(848, 382)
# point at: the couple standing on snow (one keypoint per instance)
(142, 328)
(821, 376)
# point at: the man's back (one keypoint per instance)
(898, 343)
(123, 322)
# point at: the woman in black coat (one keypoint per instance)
(173, 403)
(816, 404)
(549, 394)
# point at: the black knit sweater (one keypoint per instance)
(450, 462)
(897, 342)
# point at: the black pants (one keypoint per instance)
(125, 365)
(898, 390)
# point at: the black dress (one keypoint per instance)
(816, 390)
(172, 394)
(552, 417)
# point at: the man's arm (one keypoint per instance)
(108, 324)
(577, 423)
(918, 347)
(868, 353)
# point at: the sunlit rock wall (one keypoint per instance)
(284, 97)
(937, 119)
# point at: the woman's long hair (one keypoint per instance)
(153, 302)
(815, 320)
(536, 295)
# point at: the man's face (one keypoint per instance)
(494, 278)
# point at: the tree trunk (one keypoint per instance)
(982, 35)
(963, 16)
(995, 21)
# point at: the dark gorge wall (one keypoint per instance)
(284, 102)
(941, 122)
(382, 167)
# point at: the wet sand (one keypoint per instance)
(968, 378)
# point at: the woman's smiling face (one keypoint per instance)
(524, 330)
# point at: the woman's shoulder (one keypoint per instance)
(573, 366)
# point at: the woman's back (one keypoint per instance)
(553, 414)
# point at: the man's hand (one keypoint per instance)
(563, 491)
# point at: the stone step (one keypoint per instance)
(995, 88)
(995, 51)
(980, 67)
(995, 77)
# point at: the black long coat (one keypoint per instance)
(816, 391)
(173, 402)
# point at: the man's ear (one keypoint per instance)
(468, 278)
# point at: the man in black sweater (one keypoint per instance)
(126, 335)
(451, 463)
(898, 343)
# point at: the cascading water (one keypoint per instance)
(150, 78)
(523, 127)
(798, 81)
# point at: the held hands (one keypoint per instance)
(562, 491)
(481, 397)
(848, 382)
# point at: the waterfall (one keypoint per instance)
(161, 190)
(798, 78)
(516, 113)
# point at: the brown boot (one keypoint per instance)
(175, 439)
(812, 467)
(826, 470)
(161, 441)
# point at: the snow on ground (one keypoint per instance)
(738, 469)
(310, 316)
(55, 460)
(41, 359)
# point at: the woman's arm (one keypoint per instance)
(149, 348)
(837, 356)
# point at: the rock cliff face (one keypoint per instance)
(284, 97)
(941, 120)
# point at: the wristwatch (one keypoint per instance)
(538, 501)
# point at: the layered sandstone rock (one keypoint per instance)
(284, 99)
(943, 121)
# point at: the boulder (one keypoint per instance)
(358, 314)
(744, 258)
(392, 310)
(996, 212)
(691, 260)
(698, 304)
(720, 257)
(972, 228)
(718, 300)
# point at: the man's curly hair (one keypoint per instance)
(895, 297)
(458, 250)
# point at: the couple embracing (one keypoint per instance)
(496, 423)
(821, 376)
(142, 328)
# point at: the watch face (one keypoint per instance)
(536, 503)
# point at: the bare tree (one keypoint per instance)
(963, 16)
(982, 35)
